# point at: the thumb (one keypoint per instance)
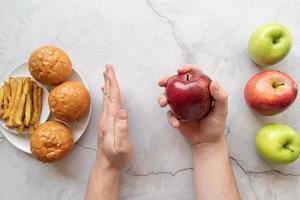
(220, 97)
(121, 125)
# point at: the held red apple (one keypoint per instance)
(270, 92)
(189, 96)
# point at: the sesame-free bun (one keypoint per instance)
(50, 65)
(69, 101)
(51, 141)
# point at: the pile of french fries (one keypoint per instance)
(21, 103)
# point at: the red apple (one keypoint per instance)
(270, 92)
(189, 96)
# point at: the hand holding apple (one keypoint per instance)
(210, 128)
(269, 44)
(278, 143)
(270, 92)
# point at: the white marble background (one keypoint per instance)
(145, 39)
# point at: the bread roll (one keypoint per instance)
(69, 101)
(50, 65)
(51, 141)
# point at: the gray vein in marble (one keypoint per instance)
(262, 173)
(250, 181)
(85, 147)
(251, 186)
(247, 172)
(186, 53)
(170, 173)
(227, 131)
(174, 173)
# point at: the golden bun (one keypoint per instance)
(50, 65)
(69, 101)
(51, 141)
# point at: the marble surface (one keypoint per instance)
(145, 39)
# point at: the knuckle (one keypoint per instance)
(125, 148)
(102, 126)
(122, 126)
(225, 95)
(170, 121)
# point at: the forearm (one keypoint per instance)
(213, 174)
(103, 182)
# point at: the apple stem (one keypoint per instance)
(275, 85)
(187, 77)
(290, 149)
(286, 147)
(275, 40)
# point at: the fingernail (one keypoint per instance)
(175, 124)
(123, 115)
(216, 85)
(108, 66)
(162, 100)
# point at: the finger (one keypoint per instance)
(220, 97)
(175, 123)
(121, 132)
(187, 68)
(114, 104)
(105, 101)
(163, 81)
(114, 90)
(121, 126)
(104, 110)
(101, 135)
(162, 100)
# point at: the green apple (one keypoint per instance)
(278, 143)
(269, 44)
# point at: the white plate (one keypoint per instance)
(22, 142)
(45, 111)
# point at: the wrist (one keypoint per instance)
(210, 148)
(104, 180)
(103, 165)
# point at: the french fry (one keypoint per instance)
(1, 95)
(39, 100)
(20, 129)
(28, 106)
(2, 101)
(6, 97)
(21, 103)
(14, 108)
(31, 129)
(13, 91)
(18, 118)
(35, 104)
